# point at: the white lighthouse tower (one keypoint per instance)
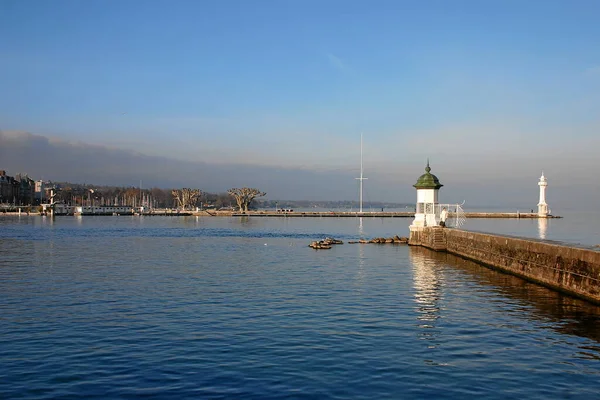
(427, 187)
(542, 206)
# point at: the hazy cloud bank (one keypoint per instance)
(58, 160)
(498, 179)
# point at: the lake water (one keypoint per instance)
(221, 308)
(576, 227)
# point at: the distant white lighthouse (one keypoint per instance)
(542, 206)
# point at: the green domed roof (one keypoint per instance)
(428, 180)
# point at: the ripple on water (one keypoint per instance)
(122, 308)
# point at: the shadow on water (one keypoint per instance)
(569, 315)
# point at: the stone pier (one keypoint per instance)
(572, 270)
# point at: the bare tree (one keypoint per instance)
(186, 197)
(244, 196)
(238, 196)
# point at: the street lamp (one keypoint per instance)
(91, 197)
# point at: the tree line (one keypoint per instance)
(184, 198)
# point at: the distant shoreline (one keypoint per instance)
(301, 214)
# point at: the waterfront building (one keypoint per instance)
(105, 210)
(57, 209)
(66, 209)
(7, 188)
(427, 211)
(18, 190)
(40, 193)
(26, 189)
(542, 205)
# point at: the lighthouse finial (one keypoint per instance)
(427, 168)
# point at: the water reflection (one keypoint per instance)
(361, 231)
(46, 220)
(568, 315)
(428, 284)
(194, 221)
(360, 273)
(542, 227)
(246, 221)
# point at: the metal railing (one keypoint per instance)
(455, 214)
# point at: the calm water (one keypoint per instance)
(129, 307)
(576, 227)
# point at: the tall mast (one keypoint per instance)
(361, 179)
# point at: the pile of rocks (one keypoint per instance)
(331, 241)
(324, 244)
(380, 240)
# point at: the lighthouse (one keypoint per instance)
(542, 206)
(427, 187)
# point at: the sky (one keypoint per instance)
(491, 92)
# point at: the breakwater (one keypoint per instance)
(504, 215)
(384, 214)
(569, 269)
(327, 214)
(293, 214)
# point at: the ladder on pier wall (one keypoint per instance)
(438, 241)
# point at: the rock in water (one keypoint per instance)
(319, 245)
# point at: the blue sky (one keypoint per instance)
(484, 88)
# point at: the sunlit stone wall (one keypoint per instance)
(569, 269)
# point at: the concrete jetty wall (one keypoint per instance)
(384, 214)
(326, 214)
(568, 269)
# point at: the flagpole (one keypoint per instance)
(362, 178)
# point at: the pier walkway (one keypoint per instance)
(384, 214)
(296, 214)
